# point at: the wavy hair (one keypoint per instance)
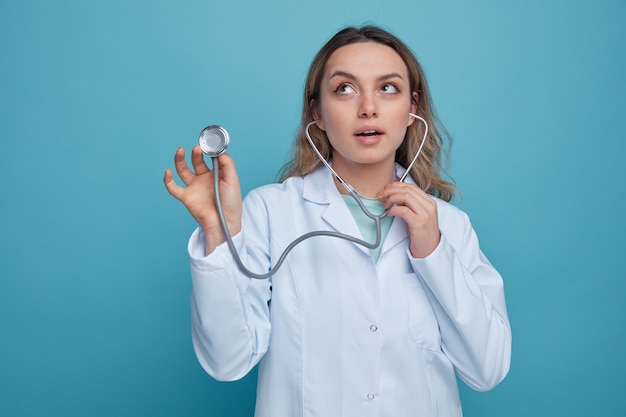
(430, 168)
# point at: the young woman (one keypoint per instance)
(342, 330)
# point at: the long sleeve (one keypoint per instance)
(230, 312)
(467, 297)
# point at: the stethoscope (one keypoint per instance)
(214, 140)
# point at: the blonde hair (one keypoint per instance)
(431, 165)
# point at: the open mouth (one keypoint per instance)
(368, 133)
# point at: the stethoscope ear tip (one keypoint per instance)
(311, 123)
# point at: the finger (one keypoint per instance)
(411, 199)
(228, 172)
(174, 189)
(405, 213)
(412, 206)
(182, 169)
(397, 187)
(168, 176)
(197, 160)
(420, 208)
(404, 194)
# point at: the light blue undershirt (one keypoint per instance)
(366, 225)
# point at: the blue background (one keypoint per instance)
(95, 97)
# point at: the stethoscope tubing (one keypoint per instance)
(377, 218)
(283, 256)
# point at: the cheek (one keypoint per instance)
(324, 116)
(402, 121)
(330, 121)
(404, 118)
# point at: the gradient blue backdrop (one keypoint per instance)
(95, 97)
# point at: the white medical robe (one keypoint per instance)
(336, 334)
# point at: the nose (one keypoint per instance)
(368, 106)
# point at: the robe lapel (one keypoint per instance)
(319, 187)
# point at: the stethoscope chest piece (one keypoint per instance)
(213, 140)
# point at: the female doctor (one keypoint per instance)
(342, 330)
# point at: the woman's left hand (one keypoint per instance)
(418, 210)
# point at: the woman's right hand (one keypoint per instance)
(198, 195)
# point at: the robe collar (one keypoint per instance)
(319, 188)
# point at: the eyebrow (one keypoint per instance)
(340, 73)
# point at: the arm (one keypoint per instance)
(467, 296)
(464, 289)
(230, 312)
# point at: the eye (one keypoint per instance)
(389, 88)
(344, 89)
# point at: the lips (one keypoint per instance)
(368, 135)
(368, 131)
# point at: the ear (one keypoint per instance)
(413, 107)
(316, 114)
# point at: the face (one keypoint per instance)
(365, 100)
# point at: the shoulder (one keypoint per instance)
(317, 187)
(289, 185)
(450, 216)
(292, 186)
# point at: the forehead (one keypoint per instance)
(366, 57)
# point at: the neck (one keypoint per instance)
(367, 180)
